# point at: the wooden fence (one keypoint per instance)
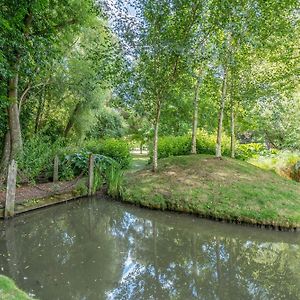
(9, 209)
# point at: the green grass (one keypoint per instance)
(139, 161)
(9, 291)
(226, 189)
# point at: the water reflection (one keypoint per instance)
(95, 249)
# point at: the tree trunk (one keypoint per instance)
(39, 112)
(141, 147)
(155, 141)
(72, 119)
(5, 155)
(232, 131)
(14, 119)
(195, 118)
(221, 116)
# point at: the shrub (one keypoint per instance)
(206, 143)
(106, 171)
(174, 146)
(246, 151)
(182, 145)
(37, 157)
(78, 162)
(119, 150)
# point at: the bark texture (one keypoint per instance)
(5, 155)
(195, 118)
(72, 119)
(232, 130)
(155, 141)
(13, 118)
(221, 116)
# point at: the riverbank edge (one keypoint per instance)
(67, 197)
(132, 195)
(35, 203)
(237, 221)
(9, 290)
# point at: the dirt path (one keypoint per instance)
(28, 192)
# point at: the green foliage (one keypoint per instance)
(106, 171)
(110, 124)
(119, 150)
(174, 146)
(81, 189)
(78, 162)
(282, 162)
(181, 145)
(114, 179)
(206, 143)
(37, 157)
(246, 151)
(9, 290)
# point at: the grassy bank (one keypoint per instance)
(225, 189)
(9, 291)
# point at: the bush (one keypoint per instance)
(37, 157)
(106, 171)
(78, 162)
(174, 146)
(182, 145)
(246, 151)
(119, 150)
(206, 143)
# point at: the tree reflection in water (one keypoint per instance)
(96, 249)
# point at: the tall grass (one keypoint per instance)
(282, 163)
(115, 180)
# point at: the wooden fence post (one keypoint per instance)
(91, 175)
(55, 169)
(11, 190)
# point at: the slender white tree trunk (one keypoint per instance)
(155, 141)
(195, 118)
(232, 130)
(221, 116)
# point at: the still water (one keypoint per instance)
(98, 249)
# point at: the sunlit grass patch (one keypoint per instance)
(227, 189)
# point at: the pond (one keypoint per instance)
(100, 249)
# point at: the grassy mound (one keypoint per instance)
(225, 189)
(9, 291)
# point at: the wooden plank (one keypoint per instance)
(11, 190)
(55, 169)
(91, 175)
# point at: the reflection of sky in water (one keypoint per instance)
(131, 270)
(104, 250)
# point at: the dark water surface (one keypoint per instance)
(97, 249)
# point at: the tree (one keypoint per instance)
(31, 26)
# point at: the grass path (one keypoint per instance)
(139, 161)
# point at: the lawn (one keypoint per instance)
(224, 189)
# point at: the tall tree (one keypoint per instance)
(32, 32)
